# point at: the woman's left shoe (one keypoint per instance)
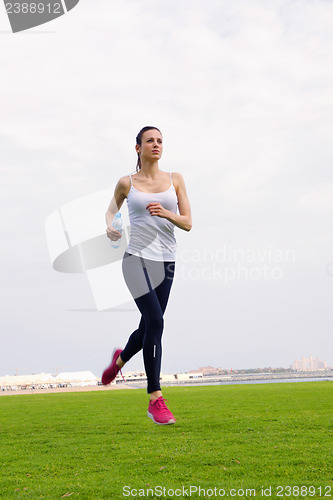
(159, 412)
(112, 370)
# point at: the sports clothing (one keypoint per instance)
(152, 237)
(151, 294)
(159, 412)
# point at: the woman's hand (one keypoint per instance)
(113, 234)
(155, 208)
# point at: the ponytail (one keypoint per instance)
(138, 164)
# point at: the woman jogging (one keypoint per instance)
(149, 261)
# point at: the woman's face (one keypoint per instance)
(151, 145)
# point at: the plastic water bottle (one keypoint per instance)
(118, 225)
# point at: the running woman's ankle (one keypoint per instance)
(155, 395)
(119, 362)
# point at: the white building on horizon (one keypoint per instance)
(308, 364)
(47, 381)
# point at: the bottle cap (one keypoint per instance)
(118, 214)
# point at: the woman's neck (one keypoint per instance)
(149, 169)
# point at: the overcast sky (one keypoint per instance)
(243, 94)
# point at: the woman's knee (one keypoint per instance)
(156, 324)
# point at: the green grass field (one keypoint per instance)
(101, 445)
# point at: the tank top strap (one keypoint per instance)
(131, 180)
(171, 178)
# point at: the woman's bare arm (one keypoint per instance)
(120, 193)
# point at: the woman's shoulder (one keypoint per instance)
(176, 175)
(124, 184)
(177, 179)
(125, 180)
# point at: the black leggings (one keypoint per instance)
(149, 283)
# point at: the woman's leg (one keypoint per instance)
(134, 343)
(151, 311)
(152, 304)
(152, 346)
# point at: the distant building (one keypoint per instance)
(47, 381)
(208, 370)
(308, 364)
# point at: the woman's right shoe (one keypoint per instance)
(159, 412)
(112, 370)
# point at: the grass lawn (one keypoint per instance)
(101, 445)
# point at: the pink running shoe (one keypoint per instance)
(111, 371)
(159, 412)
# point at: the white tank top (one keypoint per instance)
(152, 237)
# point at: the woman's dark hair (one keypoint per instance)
(139, 142)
